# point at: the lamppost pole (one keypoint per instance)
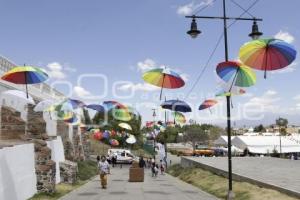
(193, 32)
(154, 115)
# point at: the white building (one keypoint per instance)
(267, 144)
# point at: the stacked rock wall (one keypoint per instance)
(68, 171)
(44, 166)
(12, 125)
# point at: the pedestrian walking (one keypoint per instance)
(104, 170)
(142, 163)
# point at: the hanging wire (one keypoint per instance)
(242, 8)
(215, 48)
(197, 11)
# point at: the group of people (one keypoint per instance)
(155, 168)
(104, 168)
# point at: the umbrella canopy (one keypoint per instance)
(113, 133)
(121, 114)
(234, 91)
(71, 118)
(236, 74)
(19, 95)
(131, 139)
(71, 104)
(125, 126)
(43, 105)
(176, 105)
(207, 104)
(114, 142)
(25, 75)
(179, 118)
(164, 78)
(108, 105)
(106, 134)
(98, 135)
(96, 107)
(267, 54)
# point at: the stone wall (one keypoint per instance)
(12, 125)
(36, 125)
(44, 166)
(68, 171)
(78, 148)
(63, 131)
(86, 143)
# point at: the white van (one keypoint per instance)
(123, 155)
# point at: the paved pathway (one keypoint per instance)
(164, 187)
(282, 173)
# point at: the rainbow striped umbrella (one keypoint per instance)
(267, 54)
(25, 75)
(164, 78)
(179, 118)
(236, 74)
(207, 104)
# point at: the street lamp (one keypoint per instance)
(255, 34)
(194, 32)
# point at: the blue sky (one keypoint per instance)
(121, 39)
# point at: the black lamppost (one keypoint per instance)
(194, 32)
(154, 115)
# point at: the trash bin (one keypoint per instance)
(136, 174)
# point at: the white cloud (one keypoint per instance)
(297, 98)
(290, 68)
(81, 92)
(268, 101)
(284, 35)
(146, 65)
(137, 87)
(190, 8)
(58, 71)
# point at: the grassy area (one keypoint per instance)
(86, 170)
(217, 185)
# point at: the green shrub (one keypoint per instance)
(87, 170)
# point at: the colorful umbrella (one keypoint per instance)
(98, 135)
(25, 75)
(267, 54)
(125, 126)
(234, 91)
(164, 78)
(236, 74)
(121, 114)
(176, 105)
(43, 105)
(71, 118)
(106, 134)
(96, 107)
(179, 118)
(108, 105)
(207, 104)
(113, 133)
(114, 142)
(71, 104)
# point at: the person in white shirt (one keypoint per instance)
(104, 170)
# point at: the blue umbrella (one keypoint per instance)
(98, 108)
(176, 105)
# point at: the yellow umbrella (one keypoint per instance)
(125, 126)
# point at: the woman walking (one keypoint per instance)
(104, 170)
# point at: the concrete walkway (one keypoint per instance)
(164, 187)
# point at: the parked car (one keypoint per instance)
(204, 152)
(123, 155)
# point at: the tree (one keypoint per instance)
(195, 134)
(260, 128)
(282, 123)
(87, 118)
